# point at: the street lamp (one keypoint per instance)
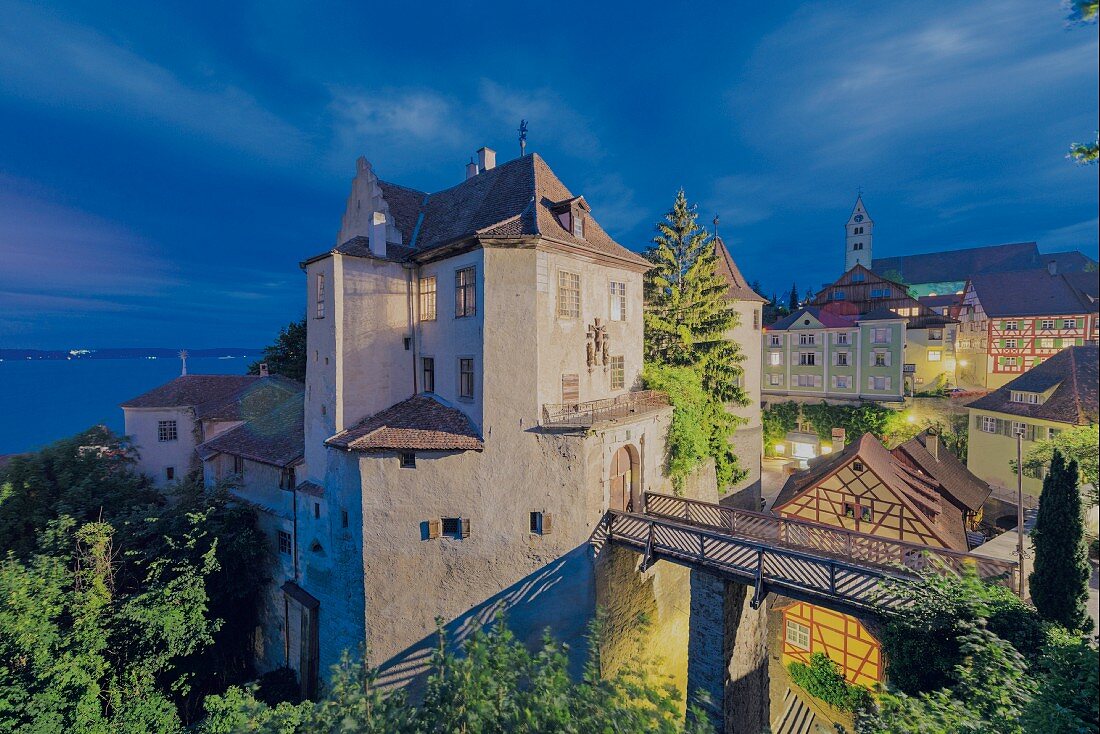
(1020, 504)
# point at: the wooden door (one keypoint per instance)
(621, 480)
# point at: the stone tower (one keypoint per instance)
(858, 234)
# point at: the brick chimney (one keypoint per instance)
(1052, 267)
(471, 169)
(932, 443)
(263, 369)
(486, 158)
(377, 237)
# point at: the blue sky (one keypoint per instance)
(165, 166)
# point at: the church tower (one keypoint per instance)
(857, 241)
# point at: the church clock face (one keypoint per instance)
(859, 217)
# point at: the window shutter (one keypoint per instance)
(465, 527)
(977, 421)
(570, 388)
(888, 383)
(435, 528)
(547, 523)
(817, 380)
(870, 383)
(888, 355)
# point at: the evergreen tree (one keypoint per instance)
(792, 300)
(687, 316)
(1060, 579)
(287, 356)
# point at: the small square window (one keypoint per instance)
(170, 473)
(408, 460)
(857, 466)
(798, 634)
(849, 511)
(284, 542)
(865, 514)
(458, 527)
(343, 518)
(166, 431)
(540, 523)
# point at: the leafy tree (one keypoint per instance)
(287, 356)
(1068, 697)
(792, 300)
(687, 317)
(1059, 582)
(495, 685)
(1080, 444)
(777, 421)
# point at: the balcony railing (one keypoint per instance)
(592, 412)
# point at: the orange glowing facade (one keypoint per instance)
(808, 629)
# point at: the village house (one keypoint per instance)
(1012, 321)
(919, 493)
(1057, 394)
(167, 423)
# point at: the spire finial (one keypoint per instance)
(859, 191)
(715, 220)
(183, 360)
(522, 137)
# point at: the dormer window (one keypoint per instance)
(578, 225)
(1030, 398)
(572, 213)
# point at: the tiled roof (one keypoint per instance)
(737, 288)
(940, 300)
(1036, 293)
(879, 314)
(1072, 373)
(419, 423)
(1071, 261)
(193, 391)
(913, 475)
(514, 199)
(827, 318)
(253, 400)
(276, 437)
(958, 265)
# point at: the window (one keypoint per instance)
(880, 383)
(1010, 361)
(427, 298)
(618, 373)
(570, 388)
(618, 301)
(808, 380)
(541, 523)
(578, 226)
(775, 358)
(465, 293)
(881, 293)
(169, 473)
(775, 380)
(1010, 343)
(880, 335)
(807, 359)
(798, 634)
(316, 510)
(456, 527)
(935, 335)
(465, 377)
(838, 295)
(756, 319)
(807, 339)
(569, 295)
(864, 514)
(934, 355)
(857, 278)
(857, 466)
(880, 359)
(287, 479)
(989, 424)
(238, 465)
(343, 518)
(1012, 326)
(428, 369)
(842, 381)
(850, 510)
(857, 246)
(284, 542)
(1018, 397)
(775, 340)
(166, 431)
(842, 337)
(408, 460)
(841, 359)
(1046, 324)
(320, 292)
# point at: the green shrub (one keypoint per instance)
(822, 679)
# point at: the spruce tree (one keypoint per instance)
(1060, 579)
(687, 316)
(792, 301)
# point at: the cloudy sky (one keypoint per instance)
(165, 166)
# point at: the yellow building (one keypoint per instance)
(918, 493)
(1057, 394)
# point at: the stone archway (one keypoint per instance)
(624, 479)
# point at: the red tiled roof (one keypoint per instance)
(193, 391)
(828, 319)
(420, 423)
(276, 437)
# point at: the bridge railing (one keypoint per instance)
(845, 544)
(591, 412)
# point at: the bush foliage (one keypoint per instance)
(823, 679)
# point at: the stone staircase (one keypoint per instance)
(797, 716)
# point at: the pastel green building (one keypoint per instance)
(819, 354)
(1057, 394)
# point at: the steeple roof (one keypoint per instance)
(859, 211)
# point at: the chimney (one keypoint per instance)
(486, 158)
(377, 237)
(932, 443)
(263, 369)
(471, 169)
(1052, 267)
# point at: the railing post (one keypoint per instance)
(848, 537)
(758, 591)
(832, 578)
(687, 512)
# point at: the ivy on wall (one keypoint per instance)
(822, 679)
(890, 426)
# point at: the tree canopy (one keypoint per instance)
(287, 356)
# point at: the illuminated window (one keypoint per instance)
(775, 358)
(569, 295)
(880, 359)
(427, 298)
(618, 301)
(934, 355)
(798, 634)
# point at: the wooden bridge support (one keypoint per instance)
(728, 655)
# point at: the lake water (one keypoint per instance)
(44, 400)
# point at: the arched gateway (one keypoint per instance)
(624, 478)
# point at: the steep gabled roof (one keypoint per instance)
(1072, 374)
(958, 265)
(957, 481)
(828, 319)
(1036, 293)
(275, 437)
(200, 392)
(419, 423)
(252, 400)
(737, 288)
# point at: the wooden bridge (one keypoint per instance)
(842, 569)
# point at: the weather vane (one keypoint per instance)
(715, 225)
(183, 359)
(522, 138)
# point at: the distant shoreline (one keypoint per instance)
(133, 353)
